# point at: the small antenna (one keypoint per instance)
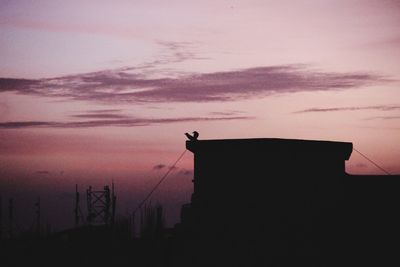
(11, 218)
(37, 205)
(76, 210)
(1, 218)
(113, 204)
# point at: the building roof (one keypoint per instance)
(312, 148)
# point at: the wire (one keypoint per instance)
(159, 182)
(370, 160)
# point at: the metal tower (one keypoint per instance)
(101, 206)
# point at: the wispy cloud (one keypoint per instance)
(225, 113)
(171, 52)
(185, 172)
(128, 122)
(101, 116)
(182, 171)
(178, 52)
(159, 167)
(384, 118)
(334, 109)
(128, 85)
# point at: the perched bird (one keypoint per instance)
(192, 137)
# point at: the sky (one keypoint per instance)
(99, 91)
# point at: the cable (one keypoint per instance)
(161, 180)
(379, 167)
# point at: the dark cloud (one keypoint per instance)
(185, 172)
(159, 167)
(173, 168)
(25, 124)
(100, 116)
(19, 85)
(127, 86)
(129, 122)
(381, 108)
(225, 113)
(163, 166)
(97, 111)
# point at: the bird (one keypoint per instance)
(192, 137)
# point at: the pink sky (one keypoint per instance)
(96, 90)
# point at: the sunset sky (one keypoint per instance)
(94, 91)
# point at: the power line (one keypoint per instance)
(370, 160)
(159, 182)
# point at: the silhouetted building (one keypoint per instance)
(284, 202)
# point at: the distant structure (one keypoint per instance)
(1, 217)
(100, 206)
(77, 210)
(284, 202)
(11, 218)
(38, 214)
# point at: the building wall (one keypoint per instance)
(288, 202)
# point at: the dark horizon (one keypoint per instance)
(254, 201)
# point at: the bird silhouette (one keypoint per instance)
(192, 137)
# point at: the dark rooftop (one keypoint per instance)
(310, 147)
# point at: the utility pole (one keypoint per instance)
(133, 225)
(89, 205)
(76, 210)
(1, 218)
(37, 205)
(113, 203)
(11, 218)
(107, 204)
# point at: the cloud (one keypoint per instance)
(18, 85)
(177, 52)
(100, 116)
(159, 167)
(334, 109)
(129, 85)
(182, 171)
(25, 124)
(128, 122)
(173, 167)
(171, 52)
(163, 166)
(185, 172)
(225, 113)
(97, 111)
(384, 118)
